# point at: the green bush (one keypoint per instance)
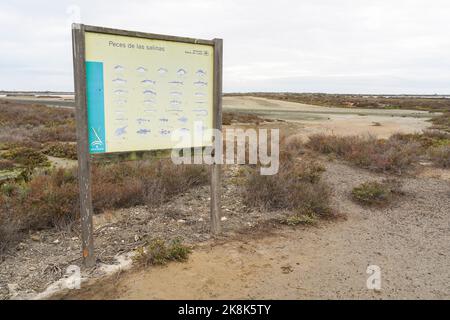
(26, 157)
(158, 252)
(376, 193)
(440, 155)
(61, 150)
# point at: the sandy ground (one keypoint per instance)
(340, 121)
(408, 241)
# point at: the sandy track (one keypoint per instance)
(409, 241)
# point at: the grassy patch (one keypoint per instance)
(51, 199)
(392, 155)
(26, 157)
(376, 193)
(238, 117)
(6, 164)
(300, 219)
(158, 252)
(440, 155)
(61, 150)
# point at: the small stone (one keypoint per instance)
(56, 241)
(201, 219)
(32, 268)
(223, 219)
(136, 238)
(35, 237)
(181, 221)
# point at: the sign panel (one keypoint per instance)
(140, 91)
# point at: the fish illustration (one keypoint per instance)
(201, 112)
(149, 102)
(176, 83)
(121, 119)
(142, 120)
(199, 94)
(143, 131)
(119, 81)
(120, 91)
(148, 81)
(120, 102)
(149, 110)
(162, 71)
(141, 69)
(121, 131)
(181, 72)
(119, 68)
(175, 102)
(149, 92)
(184, 129)
(200, 102)
(200, 83)
(164, 132)
(183, 119)
(200, 72)
(176, 93)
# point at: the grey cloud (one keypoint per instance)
(323, 45)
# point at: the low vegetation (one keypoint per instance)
(158, 252)
(61, 150)
(396, 155)
(440, 156)
(374, 193)
(297, 187)
(437, 104)
(26, 157)
(51, 199)
(430, 103)
(229, 118)
(31, 125)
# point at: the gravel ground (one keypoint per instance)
(43, 257)
(409, 241)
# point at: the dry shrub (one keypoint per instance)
(297, 186)
(442, 122)
(63, 132)
(391, 155)
(48, 200)
(51, 199)
(61, 150)
(26, 157)
(440, 155)
(16, 114)
(128, 184)
(6, 164)
(229, 117)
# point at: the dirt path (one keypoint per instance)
(408, 241)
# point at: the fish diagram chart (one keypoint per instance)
(146, 97)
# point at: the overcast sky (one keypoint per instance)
(336, 46)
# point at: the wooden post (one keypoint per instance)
(217, 124)
(84, 170)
